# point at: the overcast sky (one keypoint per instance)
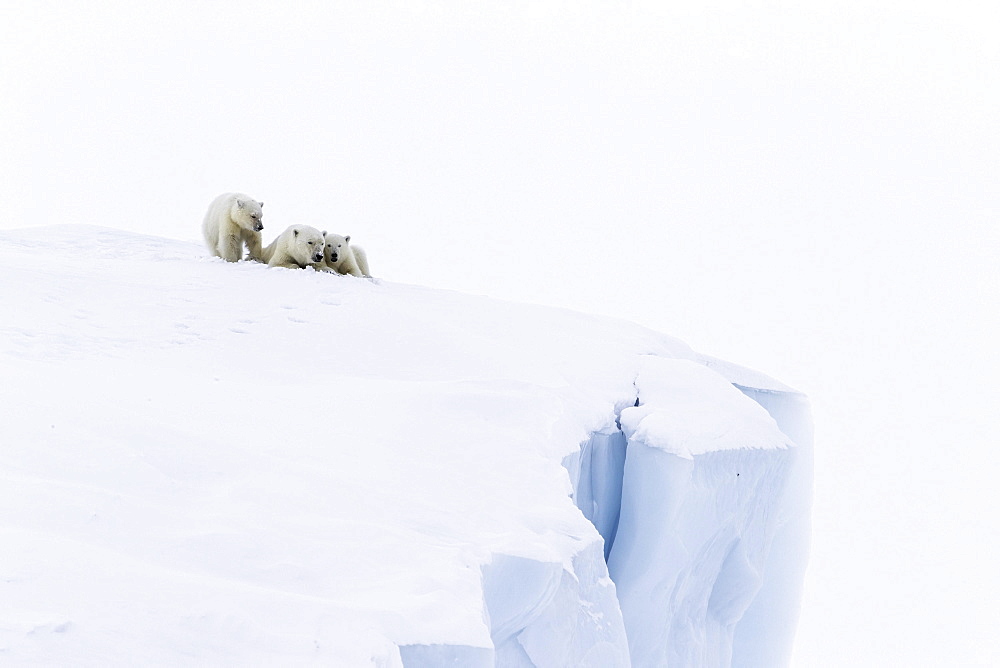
(809, 189)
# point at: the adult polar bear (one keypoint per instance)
(234, 219)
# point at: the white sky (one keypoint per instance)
(808, 189)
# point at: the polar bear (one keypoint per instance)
(343, 258)
(233, 219)
(299, 246)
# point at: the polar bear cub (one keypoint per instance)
(344, 258)
(298, 247)
(233, 219)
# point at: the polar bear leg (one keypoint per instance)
(254, 250)
(230, 246)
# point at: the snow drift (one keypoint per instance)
(206, 462)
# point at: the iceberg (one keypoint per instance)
(208, 462)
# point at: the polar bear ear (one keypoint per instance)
(296, 230)
(260, 204)
(324, 233)
(239, 203)
(347, 239)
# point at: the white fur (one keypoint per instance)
(233, 219)
(299, 246)
(349, 259)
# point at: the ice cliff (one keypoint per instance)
(702, 499)
(214, 463)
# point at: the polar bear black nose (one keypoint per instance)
(258, 227)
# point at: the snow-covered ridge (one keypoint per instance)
(216, 462)
(686, 409)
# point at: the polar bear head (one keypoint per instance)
(305, 244)
(247, 214)
(336, 247)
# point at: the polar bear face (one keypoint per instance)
(336, 246)
(306, 244)
(247, 214)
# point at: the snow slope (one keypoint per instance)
(224, 463)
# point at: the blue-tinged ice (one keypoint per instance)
(703, 501)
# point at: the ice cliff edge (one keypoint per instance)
(703, 499)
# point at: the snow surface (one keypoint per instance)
(686, 409)
(225, 463)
